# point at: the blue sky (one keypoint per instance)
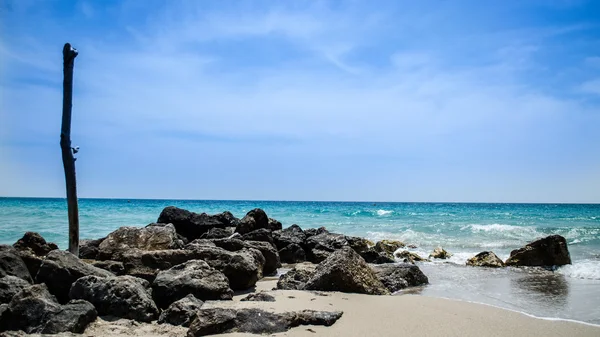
(306, 100)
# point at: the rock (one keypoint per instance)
(274, 225)
(255, 219)
(399, 276)
(193, 277)
(388, 246)
(440, 253)
(315, 231)
(229, 219)
(549, 251)
(114, 267)
(12, 264)
(192, 225)
(60, 269)
(88, 249)
(32, 261)
(10, 286)
(292, 234)
(5, 320)
(119, 296)
(261, 234)
(35, 243)
(358, 244)
(35, 310)
(409, 257)
(296, 278)
(411, 246)
(259, 297)
(292, 253)
(485, 259)
(217, 233)
(320, 246)
(256, 321)
(151, 237)
(371, 255)
(345, 271)
(181, 312)
(267, 250)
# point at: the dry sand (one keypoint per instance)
(364, 315)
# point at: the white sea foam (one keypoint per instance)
(384, 212)
(497, 228)
(585, 269)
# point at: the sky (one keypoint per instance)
(466, 101)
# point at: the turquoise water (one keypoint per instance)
(463, 229)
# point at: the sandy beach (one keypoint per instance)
(366, 315)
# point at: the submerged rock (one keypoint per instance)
(485, 259)
(60, 269)
(256, 321)
(152, 237)
(119, 296)
(34, 243)
(549, 251)
(399, 276)
(11, 263)
(345, 271)
(10, 286)
(440, 253)
(255, 219)
(193, 277)
(181, 312)
(409, 257)
(296, 278)
(192, 225)
(259, 297)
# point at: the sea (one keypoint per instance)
(569, 292)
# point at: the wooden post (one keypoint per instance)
(69, 55)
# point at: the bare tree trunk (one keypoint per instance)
(69, 55)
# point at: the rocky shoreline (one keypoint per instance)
(165, 272)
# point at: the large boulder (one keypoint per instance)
(35, 243)
(285, 237)
(35, 310)
(292, 253)
(345, 271)
(256, 321)
(119, 296)
(114, 267)
(271, 257)
(10, 286)
(11, 263)
(399, 276)
(320, 246)
(181, 312)
(255, 219)
(261, 234)
(389, 246)
(88, 249)
(485, 259)
(409, 257)
(124, 239)
(227, 218)
(274, 225)
(315, 231)
(218, 233)
(440, 253)
(549, 251)
(358, 244)
(372, 255)
(192, 225)
(60, 269)
(296, 278)
(194, 277)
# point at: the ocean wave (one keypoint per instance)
(381, 212)
(586, 269)
(497, 228)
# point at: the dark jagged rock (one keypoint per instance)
(274, 225)
(11, 263)
(32, 261)
(440, 253)
(256, 321)
(315, 231)
(60, 269)
(119, 296)
(88, 249)
(389, 246)
(371, 255)
(192, 225)
(549, 251)
(320, 246)
(227, 218)
(35, 243)
(259, 297)
(5, 319)
(255, 219)
(10, 286)
(272, 261)
(292, 234)
(114, 267)
(261, 234)
(194, 277)
(181, 312)
(358, 244)
(148, 238)
(35, 310)
(409, 257)
(296, 278)
(217, 233)
(399, 276)
(485, 259)
(292, 253)
(345, 271)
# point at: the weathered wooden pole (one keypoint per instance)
(69, 54)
